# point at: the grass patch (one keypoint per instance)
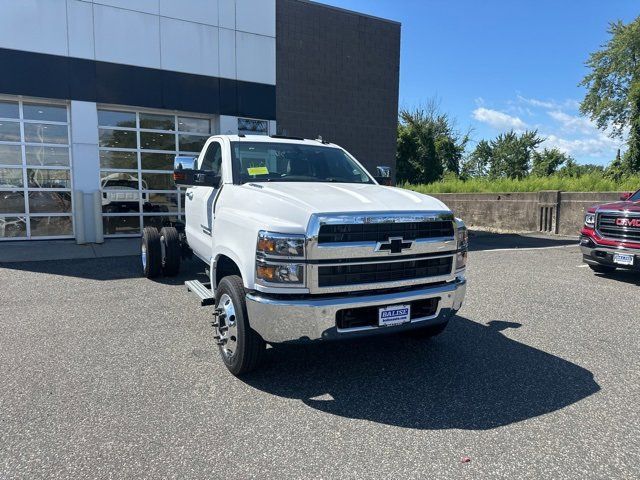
(593, 182)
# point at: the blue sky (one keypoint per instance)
(501, 64)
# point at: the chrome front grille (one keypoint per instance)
(380, 232)
(349, 252)
(378, 272)
(619, 226)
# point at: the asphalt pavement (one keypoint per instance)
(104, 374)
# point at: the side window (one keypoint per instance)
(212, 160)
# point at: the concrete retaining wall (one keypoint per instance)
(548, 211)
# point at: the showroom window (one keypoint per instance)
(35, 170)
(137, 149)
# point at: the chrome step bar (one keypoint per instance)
(202, 290)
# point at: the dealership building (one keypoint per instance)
(97, 97)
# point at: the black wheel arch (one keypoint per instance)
(224, 266)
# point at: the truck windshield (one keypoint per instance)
(635, 197)
(290, 162)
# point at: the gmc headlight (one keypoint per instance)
(280, 244)
(463, 245)
(590, 219)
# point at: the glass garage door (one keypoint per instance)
(35, 170)
(137, 149)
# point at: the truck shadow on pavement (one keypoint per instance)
(105, 269)
(470, 377)
(625, 276)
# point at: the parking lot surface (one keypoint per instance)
(104, 374)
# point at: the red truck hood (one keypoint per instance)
(620, 206)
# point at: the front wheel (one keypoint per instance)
(602, 268)
(240, 347)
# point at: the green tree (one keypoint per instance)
(416, 159)
(428, 145)
(612, 100)
(548, 161)
(617, 168)
(477, 164)
(511, 154)
(449, 154)
(571, 168)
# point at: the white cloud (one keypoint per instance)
(596, 146)
(569, 103)
(572, 123)
(537, 103)
(498, 119)
(559, 121)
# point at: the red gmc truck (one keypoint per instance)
(610, 237)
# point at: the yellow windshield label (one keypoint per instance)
(258, 171)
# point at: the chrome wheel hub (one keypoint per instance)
(226, 326)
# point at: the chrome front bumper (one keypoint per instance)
(281, 319)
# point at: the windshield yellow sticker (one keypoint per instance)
(258, 171)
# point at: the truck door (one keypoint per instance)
(199, 203)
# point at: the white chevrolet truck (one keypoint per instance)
(302, 244)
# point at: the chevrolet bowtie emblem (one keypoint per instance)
(394, 245)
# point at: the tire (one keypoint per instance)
(428, 332)
(151, 253)
(602, 268)
(170, 252)
(241, 348)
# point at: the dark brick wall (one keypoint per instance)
(337, 75)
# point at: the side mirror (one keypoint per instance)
(383, 175)
(186, 175)
(625, 196)
(184, 163)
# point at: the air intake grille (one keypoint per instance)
(380, 232)
(341, 275)
(619, 226)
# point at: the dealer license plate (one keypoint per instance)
(394, 315)
(622, 259)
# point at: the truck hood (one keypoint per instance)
(292, 203)
(620, 206)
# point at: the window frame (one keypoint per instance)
(24, 167)
(140, 172)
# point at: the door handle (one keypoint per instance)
(189, 195)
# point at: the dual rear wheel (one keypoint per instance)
(160, 252)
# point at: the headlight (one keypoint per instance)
(463, 246)
(281, 273)
(272, 252)
(590, 219)
(280, 245)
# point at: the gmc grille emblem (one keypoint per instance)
(394, 245)
(628, 222)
